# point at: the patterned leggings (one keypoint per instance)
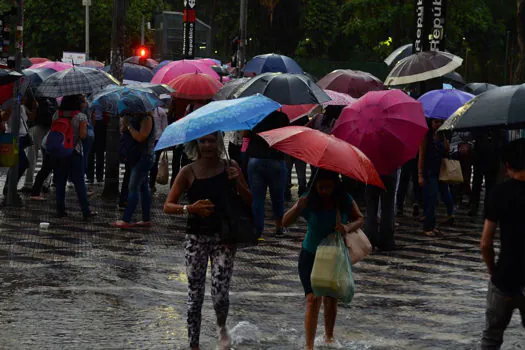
(198, 249)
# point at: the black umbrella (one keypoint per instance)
(478, 88)
(455, 79)
(37, 75)
(8, 76)
(398, 54)
(223, 72)
(287, 89)
(501, 107)
(227, 91)
(423, 66)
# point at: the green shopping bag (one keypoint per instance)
(332, 272)
(8, 150)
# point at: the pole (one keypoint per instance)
(142, 32)
(241, 52)
(506, 66)
(14, 125)
(88, 2)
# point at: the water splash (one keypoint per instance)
(245, 333)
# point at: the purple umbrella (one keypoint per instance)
(441, 104)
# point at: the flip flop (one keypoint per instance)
(146, 224)
(37, 198)
(434, 233)
(122, 224)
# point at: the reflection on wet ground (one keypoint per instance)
(89, 286)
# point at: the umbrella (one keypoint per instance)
(478, 88)
(455, 79)
(272, 63)
(92, 64)
(161, 65)
(352, 82)
(441, 104)
(207, 61)
(57, 66)
(108, 99)
(338, 99)
(149, 62)
(388, 126)
(174, 69)
(135, 72)
(398, 54)
(37, 60)
(6, 92)
(229, 115)
(37, 75)
(227, 91)
(26, 63)
(223, 72)
(287, 89)
(423, 66)
(299, 111)
(323, 151)
(74, 81)
(195, 86)
(501, 107)
(8, 76)
(157, 89)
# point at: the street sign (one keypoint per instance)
(189, 19)
(86, 2)
(430, 25)
(75, 58)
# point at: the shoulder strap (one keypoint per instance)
(193, 172)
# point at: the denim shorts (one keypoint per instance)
(306, 265)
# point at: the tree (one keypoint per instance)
(270, 5)
(320, 20)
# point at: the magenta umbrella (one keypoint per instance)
(207, 61)
(177, 68)
(57, 66)
(388, 126)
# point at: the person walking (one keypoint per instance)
(97, 155)
(319, 208)
(433, 149)
(72, 166)
(507, 276)
(267, 169)
(160, 120)
(139, 140)
(207, 181)
(300, 168)
(409, 173)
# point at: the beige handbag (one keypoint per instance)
(357, 243)
(450, 171)
(164, 174)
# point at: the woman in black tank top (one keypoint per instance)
(207, 182)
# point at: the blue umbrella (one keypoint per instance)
(272, 63)
(38, 75)
(119, 100)
(135, 72)
(228, 115)
(441, 104)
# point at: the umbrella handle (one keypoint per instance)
(313, 180)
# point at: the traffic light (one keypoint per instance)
(143, 52)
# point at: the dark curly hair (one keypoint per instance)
(71, 103)
(338, 195)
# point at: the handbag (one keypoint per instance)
(450, 171)
(357, 242)
(237, 224)
(8, 150)
(27, 139)
(163, 174)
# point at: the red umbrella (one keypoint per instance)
(6, 92)
(323, 151)
(388, 126)
(176, 68)
(195, 86)
(37, 60)
(352, 82)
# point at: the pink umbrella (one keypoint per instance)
(92, 64)
(37, 60)
(297, 111)
(338, 99)
(388, 126)
(207, 61)
(174, 69)
(57, 66)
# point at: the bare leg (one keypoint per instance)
(311, 316)
(330, 314)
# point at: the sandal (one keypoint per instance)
(122, 224)
(434, 233)
(146, 224)
(37, 198)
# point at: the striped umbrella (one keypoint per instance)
(75, 81)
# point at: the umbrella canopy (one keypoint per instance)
(455, 79)
(352, 82)
(37, 75)
(338, 99)
(75, 81)
(135, 72)
(388, 126)
(195, 86)
(287, 89)
(423, 66)
(227, 91)
(8, 76)
(177, 68)
(298, 111)
(56, 66)
(501, 107)
(161, 65)
(157, 89)
(478, 88)
(272, 63)
(398, 54)
(223, 72)
(228, 115)
(149, 62)
(92, 64)
(323, 151)
(6, 92)
(37, 60)
(207, 61)
(441, 104)
(136, 100)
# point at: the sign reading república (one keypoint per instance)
(429, 25)
(188, 41)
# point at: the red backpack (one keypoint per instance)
(59, 142)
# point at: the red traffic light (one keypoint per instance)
(143, 52)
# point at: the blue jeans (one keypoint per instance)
(74, 168)
(263, 174)
(138, 185)
(431, 189)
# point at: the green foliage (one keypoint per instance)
(320, 21)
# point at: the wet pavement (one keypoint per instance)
(85, 285)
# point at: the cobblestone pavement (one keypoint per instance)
(85, 285)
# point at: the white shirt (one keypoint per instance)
(23, 122)
(160, 121)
